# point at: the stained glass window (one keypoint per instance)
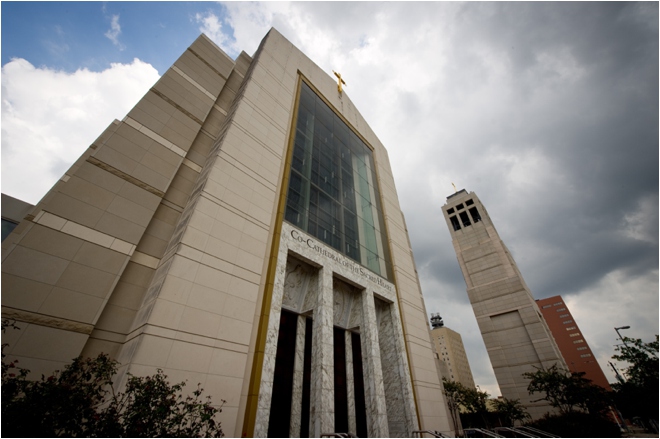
(333, 192)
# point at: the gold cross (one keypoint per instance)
(339, 81)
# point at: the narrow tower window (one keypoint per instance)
(455, 223)
(464, 219)
(475, 214)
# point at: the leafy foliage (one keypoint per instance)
(510, 411)
(465, 398)
(475, 401)
(638, 395)
(81, 401)
(453, 396)
(153, 408)
(568, 392)
(471, 402)
(643, 358)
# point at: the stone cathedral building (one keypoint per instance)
(239, 228)
(516, 335)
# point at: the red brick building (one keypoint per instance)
(572, 345)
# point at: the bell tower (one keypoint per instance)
(516, 336)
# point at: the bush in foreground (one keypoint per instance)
(80, 401)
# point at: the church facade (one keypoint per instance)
(239, 228)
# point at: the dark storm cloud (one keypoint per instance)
(600, 131)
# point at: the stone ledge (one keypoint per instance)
(48, 321)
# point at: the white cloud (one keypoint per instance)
(211, 26)
(113, 33)
(50, 117)
(249, 22)
(515, 102)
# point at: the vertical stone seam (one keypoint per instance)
(257, 361)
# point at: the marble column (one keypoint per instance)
(350, 384)
(298, 366)
(398, 390)
(373, 372)
(270, 349)
(323, 386)
(404, 370)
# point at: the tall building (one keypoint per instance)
(570, 340)
(239, 228)
(451, 352)
(515, 334)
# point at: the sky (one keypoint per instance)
(547, 111)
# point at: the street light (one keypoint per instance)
(621, 338)
(618, 376)
(616, 372)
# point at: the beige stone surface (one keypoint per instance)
(43, 349)
(22, 293)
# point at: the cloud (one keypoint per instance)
(50, 117)
(241, 26)
(548, 111)
(211, 25)
(113, 33)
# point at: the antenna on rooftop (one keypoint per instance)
(436, 321)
